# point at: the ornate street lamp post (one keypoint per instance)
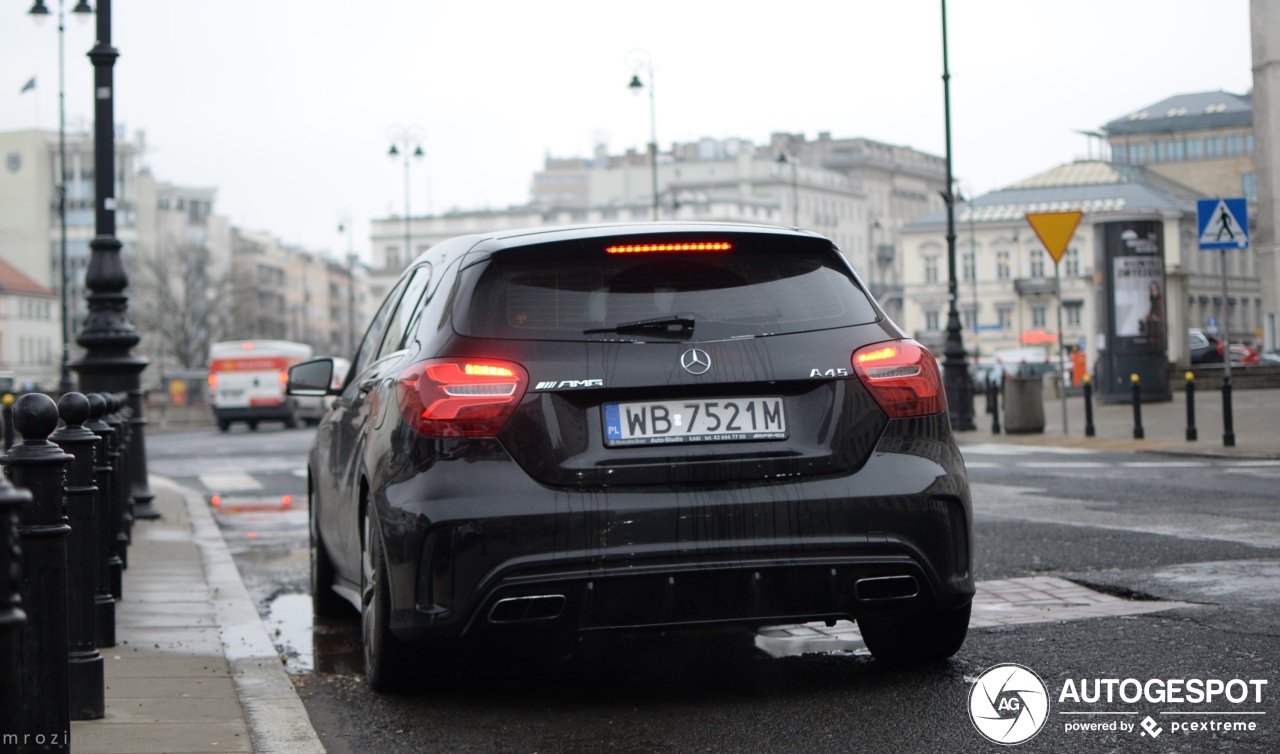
(108, 336)
(955, 364)
(40, 10)
(641, 61)
(406, 140)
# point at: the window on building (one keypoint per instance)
(969, 267)
(969, 315)
(1235, 145)
(1157, 152)
(1004, 317)
(930, 269)
(393, 257)
(1195, 149)
(931, 320)
(1072, 314)
(1213, 147)
(1248, 143)
(1037, 263)
(1137, 154)
(1177, 151)
(1003, 269)
(1071, 262)
(1039, 317)
(1249, 187)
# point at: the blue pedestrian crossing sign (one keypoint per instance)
(1223, 223)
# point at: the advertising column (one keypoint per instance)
(1134, 333)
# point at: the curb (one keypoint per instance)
(277, 720)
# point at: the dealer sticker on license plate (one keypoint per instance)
(702, 420)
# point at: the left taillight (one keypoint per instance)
(284, 379)
(902, 376)
(460, 397)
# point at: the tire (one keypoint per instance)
(253, 425)
(915, 639)
(291, 421)
(325, 603)
(223, 425)
(387, 660)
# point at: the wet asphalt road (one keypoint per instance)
(1143, 527)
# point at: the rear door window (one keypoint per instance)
(576, 294)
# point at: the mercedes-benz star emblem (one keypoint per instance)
(695, 361)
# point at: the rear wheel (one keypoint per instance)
(223, 425)
(253, 425)
(386, 658)
(931, 637)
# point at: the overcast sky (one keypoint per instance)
(284, 106)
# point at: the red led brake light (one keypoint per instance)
(460, 397)
(902, 376)
(651, 248)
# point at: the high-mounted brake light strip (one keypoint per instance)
(649, 248)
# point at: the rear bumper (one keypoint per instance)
(511, 557)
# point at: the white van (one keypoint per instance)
(247, 379)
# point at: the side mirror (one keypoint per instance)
(311, 378)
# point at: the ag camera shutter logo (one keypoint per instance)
(1009, 704)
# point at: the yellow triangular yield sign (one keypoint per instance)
(1054, 230)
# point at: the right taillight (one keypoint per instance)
(902, 376)
(460, 397)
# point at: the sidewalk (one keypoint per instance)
(1256, 415)
(194, 670)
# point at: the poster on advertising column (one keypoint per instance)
(1136, 332)
(1139, 298)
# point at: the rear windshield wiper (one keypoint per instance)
(682, 324)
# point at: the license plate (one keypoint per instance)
(690, 421)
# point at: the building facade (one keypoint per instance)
(1265, 26)
(1209, 141)
(857, 192)
(281, 292)
(30, 226)
(30, 339)
(1009, 288)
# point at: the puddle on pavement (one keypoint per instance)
(330, 646)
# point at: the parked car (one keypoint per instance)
(1242, 354)
(1271, 357)
(556, 432)
(1205, 348)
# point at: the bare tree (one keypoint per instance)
(181, 304)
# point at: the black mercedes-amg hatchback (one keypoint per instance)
(636, 428)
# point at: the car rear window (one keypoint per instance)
(756, 290)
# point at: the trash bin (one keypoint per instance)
(1023, 404)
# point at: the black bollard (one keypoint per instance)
(1228, 421)
(1088, 407)
(6, 416)
(993, 404)
(40, 466)
(85, 667)
(12, 617)
(110, 569)
(1138, 434)
(119, 485)
(1192, 435)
